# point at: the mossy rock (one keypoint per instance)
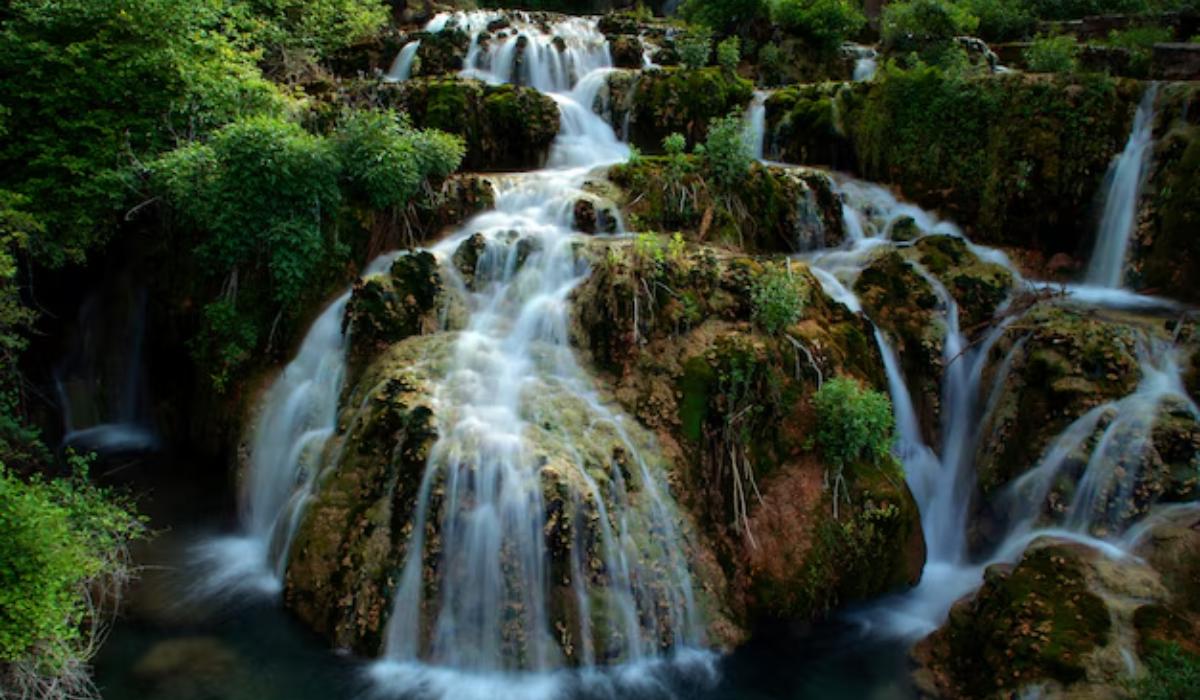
(387, 308)
(440, 53)
(772, 210)
(803, 124)
(1028, 624)
(368, 56)
(626, 51)
(978, 288)
(903, 304)
(505, 127)
(662, 102)
(1165, 255)
(1059, 363)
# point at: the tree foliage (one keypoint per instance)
(1052, 54)
(825, 23)
(778, 297)
(386, 161)
(926, 27)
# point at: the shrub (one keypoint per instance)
(694, 46)
(729, 53)
(825, 23)
(1052, 54)
(854, 423)
(675, 147)
(1139, 41)
(778, 297)
(385, 161)
(320, 26)
(62, 559)
(927, 27)
(727, 151)
(1076, 9)
(1171, 674)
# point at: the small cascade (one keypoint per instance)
(401, 68)
(101, 383)
(298, 415)
(756, 124)
(866, 61)
(1121, 196)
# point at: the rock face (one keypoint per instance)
(1165, 257)
(657, 103)
(773, 209)
(505, 127)
(672, 331)
(1028, 182)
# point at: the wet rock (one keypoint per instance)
(978, 288)
(385, 309)
(626, 51)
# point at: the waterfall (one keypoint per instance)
(101, 382)
(756, 124)
(1122, 192)
(482, 487)
(402, 67)
(298, 414)
(866, 61)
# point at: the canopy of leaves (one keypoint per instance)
(854, 423)
(91, 86)
(386, 161)
(723, 15)
(319, 26)
(927, 27)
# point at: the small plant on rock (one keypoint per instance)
(854, 425)
(779, 297)
(694, 47)
(729, 53)
(727, 151)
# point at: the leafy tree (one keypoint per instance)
(62, 559)
(826, 23)
(91, 86)
(694, 47)
(927, 27)
(854, 423)
(779, 298)
(1052, 54)
(723, 15)
(729, 53)
(1002, 20)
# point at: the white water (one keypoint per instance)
(297, 416)
(1124, 187)
(756, 124)
(483, 484)
(866, 61)
(402, 67)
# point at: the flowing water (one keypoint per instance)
(402, 67)
(1124, 187)
(756, 124)
(512, 378)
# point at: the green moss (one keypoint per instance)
(696, 385)
(1037, 622)
(685, 101)
(978, 288)
(385, 309)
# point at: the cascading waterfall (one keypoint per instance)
(402, 67)
(297, 416)
(756, 124)
(866, 61)
(1124, 187)
(482, 490)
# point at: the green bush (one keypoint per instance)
(61, 542)
(727, 151)
(385, 161)
(926, 27)
(694, 46)
(722, 15)
(779, 298)
(1139, 41)
(825, 23)
(1171, 674)
(729, 53)
(1052, 54)
(1002, 20)
(854, 423)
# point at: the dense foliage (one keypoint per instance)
(726, 150)
(825, 23)
(925, 27)
(1054, 54)
(1171, 674)
(694, 46)
(854, 423)
(62, 560)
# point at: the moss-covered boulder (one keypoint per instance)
(674, 329)
(978, 287)
(385, 309)
(657, 103)
(772, 209)
(804, 124)
(1165, 257)
(505, 127)
(1052, 366)
(440, 53)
